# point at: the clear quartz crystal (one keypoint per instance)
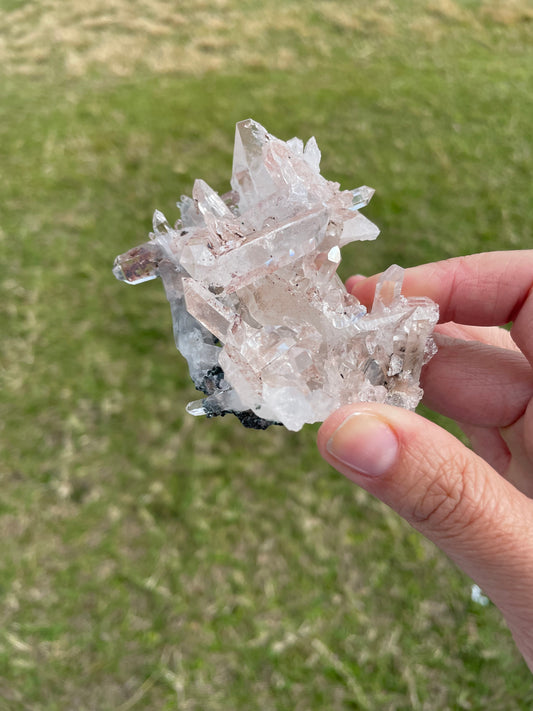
(268, 329)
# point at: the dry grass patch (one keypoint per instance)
(508, 12)
(122, 37)
(450, 10)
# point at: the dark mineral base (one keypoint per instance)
(248, 418)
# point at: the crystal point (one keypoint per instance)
(361, 197)
(266, 325)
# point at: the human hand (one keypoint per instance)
(475, 505)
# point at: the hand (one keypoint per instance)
(475, 505)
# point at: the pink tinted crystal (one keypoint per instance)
(266, 325)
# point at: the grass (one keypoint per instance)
(156, 561)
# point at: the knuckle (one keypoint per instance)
(450, 496)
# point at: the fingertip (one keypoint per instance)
(360, 439)
(362, 288)
(328, 427)
(353, 280)
(363, 443)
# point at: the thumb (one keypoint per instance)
(445, 491)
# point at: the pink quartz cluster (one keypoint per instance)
(266, 325)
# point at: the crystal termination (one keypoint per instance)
(268, 329)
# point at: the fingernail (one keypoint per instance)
(365, 443)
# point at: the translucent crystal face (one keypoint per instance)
(268, 330)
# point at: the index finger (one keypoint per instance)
(488, 289)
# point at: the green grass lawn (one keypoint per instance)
(151, 560)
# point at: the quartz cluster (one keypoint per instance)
(268, 329)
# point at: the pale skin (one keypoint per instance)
(477, 506)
